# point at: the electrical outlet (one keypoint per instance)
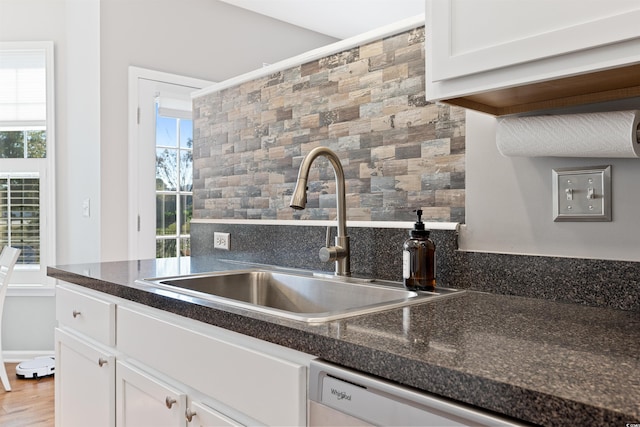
(221, 240)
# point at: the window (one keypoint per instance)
(26, 158)
(20, 215)
(174, 182)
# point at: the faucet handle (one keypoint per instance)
(328, 236)
(328, 253)
(331, 252)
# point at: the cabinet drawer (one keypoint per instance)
(266, 388)
(89, 315)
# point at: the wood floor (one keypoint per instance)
(29, 403)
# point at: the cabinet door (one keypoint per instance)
(142, 400)
(268, 389)
(470, 36)
(200, 415)
(84, 383)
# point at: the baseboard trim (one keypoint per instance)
(20, 356)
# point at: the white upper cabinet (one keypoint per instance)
(505, 56)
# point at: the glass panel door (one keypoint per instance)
(160, 169)
(174, 180)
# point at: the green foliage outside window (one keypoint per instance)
(13, 143)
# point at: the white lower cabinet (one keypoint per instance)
(84, 383)
(253, 377)
(167, 370)
(201, 415)
(143, 400)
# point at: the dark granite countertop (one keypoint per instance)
(535, 360)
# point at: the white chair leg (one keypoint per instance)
(3, 375)
(8, 259)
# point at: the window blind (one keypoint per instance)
(20, 214)
(23, 83)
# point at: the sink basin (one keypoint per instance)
(294, 296)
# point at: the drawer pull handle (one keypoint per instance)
(189, 414)
(169, 401)
(76, 313)
(102, 362)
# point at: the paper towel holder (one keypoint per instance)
(582, 194)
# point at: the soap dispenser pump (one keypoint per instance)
(419, 259)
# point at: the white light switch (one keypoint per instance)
(86, 208)
(582, 194)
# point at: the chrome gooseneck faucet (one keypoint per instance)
(340, 251)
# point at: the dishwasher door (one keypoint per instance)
(343, 397)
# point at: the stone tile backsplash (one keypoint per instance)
(368, 104)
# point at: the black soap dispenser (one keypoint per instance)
(419, 259)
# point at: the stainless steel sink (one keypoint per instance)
(294, 296)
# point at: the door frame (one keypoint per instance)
(135, 74)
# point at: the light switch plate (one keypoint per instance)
(86, 208)
(582, 194)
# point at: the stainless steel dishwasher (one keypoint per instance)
(343, 397)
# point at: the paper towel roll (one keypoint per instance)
(610, 134)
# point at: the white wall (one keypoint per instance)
(78, 161)
(73, 26)
(205, 39)
(27, 328)
(509, 203)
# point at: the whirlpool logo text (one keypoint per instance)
(341, 395)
